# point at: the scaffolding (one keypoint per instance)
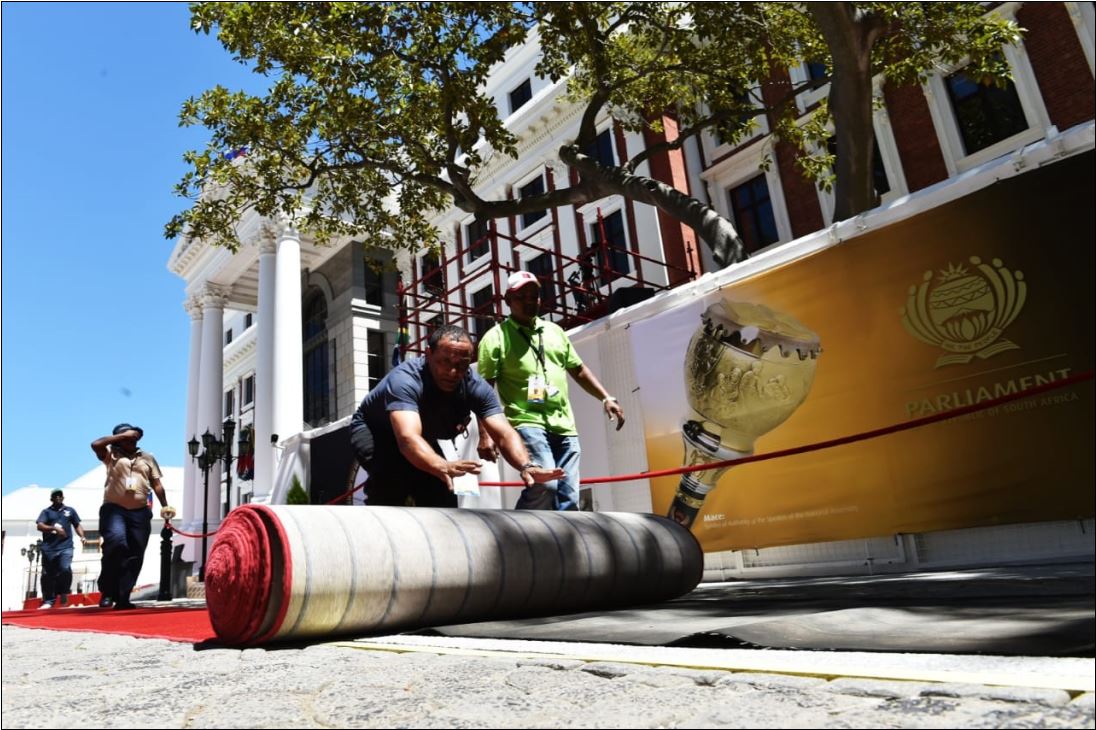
(574, 289)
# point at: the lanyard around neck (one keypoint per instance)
(538, 350)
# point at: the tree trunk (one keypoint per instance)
(850, 33)
(851, 107)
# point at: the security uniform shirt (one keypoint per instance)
(129, 479)
(66, 517)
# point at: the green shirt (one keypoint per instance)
(508, 356)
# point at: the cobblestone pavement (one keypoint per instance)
(72, 679)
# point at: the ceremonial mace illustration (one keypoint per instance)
(747, 369)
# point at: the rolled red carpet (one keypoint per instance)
(281, 572)
(247, 578)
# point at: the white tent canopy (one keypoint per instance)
(84, 494)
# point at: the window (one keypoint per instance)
(230, 403)
(316, 376)
(534, 187)
(374, 284)
(475, 238)
(816, 70)
(752, 211)
(482, 300)
(249, 319)
(986, 113)
(228, 337)
(542, 268)
(612, 258)
(521, 95)
(375, 357)
(249, 390)
(602, 149)
(972, 119)
(433, 277)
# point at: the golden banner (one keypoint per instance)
(982, 297)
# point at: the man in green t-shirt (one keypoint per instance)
(527, 359)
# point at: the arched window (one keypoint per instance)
(316, 375)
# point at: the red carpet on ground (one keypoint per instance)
(172, 623)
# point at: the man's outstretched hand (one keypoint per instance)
(460, 468)
(539, 475)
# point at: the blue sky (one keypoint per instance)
(94, 331)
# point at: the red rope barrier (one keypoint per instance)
(917, 422)
(342, 497)
(177, 531)
(817, 446)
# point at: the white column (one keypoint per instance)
(288, 354)
(192, 494)
(264, 373)
(210, 399)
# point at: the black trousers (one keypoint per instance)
(125, 536)
(393, 480)
(56, 573)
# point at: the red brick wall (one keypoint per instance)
(679, 241)
(1059, 62)
(801, 196)
(922, 159)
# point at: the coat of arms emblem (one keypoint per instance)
(965, 310)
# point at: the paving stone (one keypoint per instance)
(771, 681)
(702, 677)
(558, 664)
(610, 670)
(1048, 697)
(312, 686)
(660, 679)
(883, 688)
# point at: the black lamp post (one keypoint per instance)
(229, 430)
(214, 450)
(205, 463)
(31, 552)
(241, 448)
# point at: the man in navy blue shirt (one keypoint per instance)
(396, 429)
(57, 523)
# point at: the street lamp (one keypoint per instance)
(242, 447)
(31, 552)
(214, 450)
(229, 430)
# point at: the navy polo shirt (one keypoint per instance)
(410, 387)
(66, 517)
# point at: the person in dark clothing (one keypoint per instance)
(125, 519)
(57, 523)
(396, 429)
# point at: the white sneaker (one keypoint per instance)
(45, 605)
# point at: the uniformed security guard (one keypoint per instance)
(57, 523)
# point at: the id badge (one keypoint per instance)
(535, 391)
(131, 483)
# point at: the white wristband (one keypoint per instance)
(607, 399)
